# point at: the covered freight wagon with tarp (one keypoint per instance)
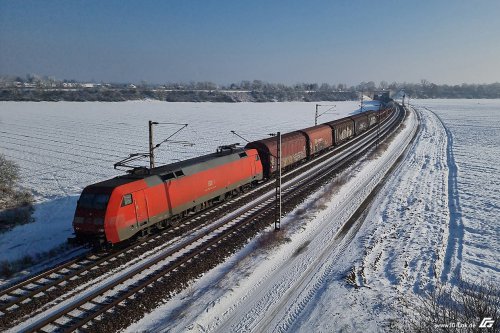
(319, 138)
(343, 129)
(361, 123)
(293, 150)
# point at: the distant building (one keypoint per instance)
(382, 96)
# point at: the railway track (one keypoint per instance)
(111, 293)
(30, 295)
(55, 280)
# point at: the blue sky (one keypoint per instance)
(229, 41)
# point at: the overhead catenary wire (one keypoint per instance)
(317, 114)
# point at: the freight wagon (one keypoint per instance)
(318, 138)
(121, 208)
(293, 150)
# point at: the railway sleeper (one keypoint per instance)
(60, 325)
(72, 317)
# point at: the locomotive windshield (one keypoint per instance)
(93, 201)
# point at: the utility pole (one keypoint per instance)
(316, 116)
(378, 125)
(361, 105)
(151, 147)
(133, 158)
(277, 221)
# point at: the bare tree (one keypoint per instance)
(9, 173)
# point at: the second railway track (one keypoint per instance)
(111, 294)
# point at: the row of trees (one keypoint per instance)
(37, 88)
(426, 89)
(423, 89)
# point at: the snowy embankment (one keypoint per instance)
(402, 245)
(271, 287)
(435, 221)
(63, 147)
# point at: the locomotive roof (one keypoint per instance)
(195, 164)
(164, 169)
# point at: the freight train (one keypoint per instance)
(127, 206)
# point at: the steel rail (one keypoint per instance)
(40, 287)
(258, 204)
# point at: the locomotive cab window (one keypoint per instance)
(101, 201)
(85, 200)
(127, 199)
(179, 173)
(93, 201)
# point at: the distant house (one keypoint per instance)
(87, 85)
(131, 86)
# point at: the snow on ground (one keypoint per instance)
(434, 220)
(473, 128)
(268, 288)
(63, 146)
(401, 246)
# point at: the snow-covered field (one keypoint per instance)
(421, 230)
(473, 129)
(434, 220)
(62, 147)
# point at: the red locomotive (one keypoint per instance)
(117, 209)
(120, 208)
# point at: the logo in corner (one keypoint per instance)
(487, 323)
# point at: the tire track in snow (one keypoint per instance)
(317, 279)
(279, 307)
(454, 250)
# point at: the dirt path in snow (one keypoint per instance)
(275, 293)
